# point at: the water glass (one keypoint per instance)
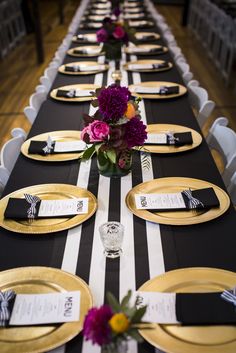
(112, 234)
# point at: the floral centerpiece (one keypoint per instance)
(114, 130)
(113, 324)
(113, 35)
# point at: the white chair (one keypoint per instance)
(48, 77)
(223, 139)
(232, 188)
(11, 150)
(184, 70)
(198, 97)
(36, 101)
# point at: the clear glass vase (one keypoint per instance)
(114, 170)
(117, 347)
(112, 50)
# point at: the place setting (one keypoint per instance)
(157, 90)
(169, 138)
(177, 201)
(86, 51)
(45, 308)
(54, 146)
(141, 23)
(90, 25)
(145, 49)
(147, 65)
(83, 68)
(191, 309)
(74, 93)
(85, 38)
(46, 208)
(146, 36)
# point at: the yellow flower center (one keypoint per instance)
(119, 323)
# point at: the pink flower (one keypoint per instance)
(119, 32)
(95, 131)
(102, 35)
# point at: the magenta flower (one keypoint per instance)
(96, 327)
(102, 35)
(113, 102)
(119, 32)
(95, 131)
(135, 133)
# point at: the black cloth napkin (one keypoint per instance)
(65, 93)
(148, 37)
(160, 66)
(72, 68)
(36, 147)
(180, 139)
(169, 90)
(204, 309)
(206, 196)
(17, 209)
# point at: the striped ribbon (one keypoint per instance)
(5, 298)
(32, 200)
(49, 147)
(229, 296)
(192, 201)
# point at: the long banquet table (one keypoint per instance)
(149, 249)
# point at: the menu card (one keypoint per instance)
(162, 90)
(73, 93)
(78, 68)
(185, 200)
(33, 207)
(148, 66)
(85, 38)
(40, 147)
(36, 309)
(95, 50)
(169, 138)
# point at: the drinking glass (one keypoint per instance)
(112, 234)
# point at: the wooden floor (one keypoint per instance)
(19, 72)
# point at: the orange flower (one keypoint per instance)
(130, 111)
(119, 323)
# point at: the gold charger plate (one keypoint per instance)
(82, 86)
(139, 35)
(147, 61)
(89, 38)
(172, 185)
(157, 84)
(71, 51)
(164, 128)
(62, 136)
(128, 50)
(40, 280)
(192, 339)
(48, 225)
(82, 64)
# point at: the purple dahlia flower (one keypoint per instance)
(135, 133)
(113, 102)
(96, 327)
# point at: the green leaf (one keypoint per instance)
(138, 314)
(89, 152)
(135, 335)
(113, 302)
(111, 154)
(102, 158)
(125, 300)
(97, 146)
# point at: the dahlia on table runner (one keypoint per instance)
(113, 324)
(114, 130)
(113, 35)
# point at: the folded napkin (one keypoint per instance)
(134, 15)
(87, 51)
(7, 300)
(204, 309)
(83, 38)
(162, 90)
(146, 37)
(51, 147)
(79, 68)
(32, 207)
(148, 66)
(185, 200)
(177, 139)
(91, 25)
(140, 24)
(73, 93)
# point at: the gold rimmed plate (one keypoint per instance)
(192, 339)
(83, 86)
(85, 55)
(149, 47)
(165, 128)
(41, 280)
(173, 185)
(59, 136)
(83, 64)
(157, 84)
(146, 62)
(48, 225)
(141, 36)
